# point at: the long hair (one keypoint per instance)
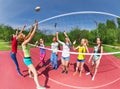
(99, 48)
(86, 42)
(11, 37)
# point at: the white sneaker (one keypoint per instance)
(40, 87)
(31, 76)
(88, 73)
(93, 78)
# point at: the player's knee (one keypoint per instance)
(35, 73)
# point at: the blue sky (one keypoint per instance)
(16, 13)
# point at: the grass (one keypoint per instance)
(111, 49)
(6, 46)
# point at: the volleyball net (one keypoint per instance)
(76, 53)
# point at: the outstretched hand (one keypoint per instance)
(74, 42)
(64, 32)
(25, 26)
(57, 33)
(17, 31)
(36, 22)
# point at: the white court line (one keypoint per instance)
(77, 87)
(115, 63)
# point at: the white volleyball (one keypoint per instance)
(37, 8)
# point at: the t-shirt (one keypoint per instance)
(54, 47)
(42, 50)
(14, 45)
(66, 49)
(81, 50)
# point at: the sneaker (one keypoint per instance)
(43, 65)
(80, 75)
(19, 73)
(55, 68)
(66, 72)
(88, 73)
(93, 78)
(31, 76)
(75, 73)
(63, 71)
(40, 87)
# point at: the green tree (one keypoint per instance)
(118, 22)
(111, 24)
(75, 34)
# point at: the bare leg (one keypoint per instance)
(32, 68)
(63, 66)
(81, 68)
(95, 69)
(76, 71)
(91, 68)
(30, 73)
(66, 66)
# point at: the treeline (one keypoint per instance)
(109, 32)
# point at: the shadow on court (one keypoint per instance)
(86, 68)
(45, 72)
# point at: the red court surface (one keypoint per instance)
(108, 76)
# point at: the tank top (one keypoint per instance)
(42, 49)
(26, 51)
(14, 45)
(96, 57)
(81, 50)
(66, 49)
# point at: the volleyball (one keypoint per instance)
(37, 8)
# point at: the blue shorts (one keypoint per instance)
(27, 61)
(78, 60)
(66, 58)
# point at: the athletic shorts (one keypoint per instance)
(66, 58)
(95, 59)
(78, 60)
(27, 61)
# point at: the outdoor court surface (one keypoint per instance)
(108, 76)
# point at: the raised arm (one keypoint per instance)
(67, 36)
(22, 29)
(31, 34)
(74, 48)
(57, 37)
(16, 32)
(36, 44)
